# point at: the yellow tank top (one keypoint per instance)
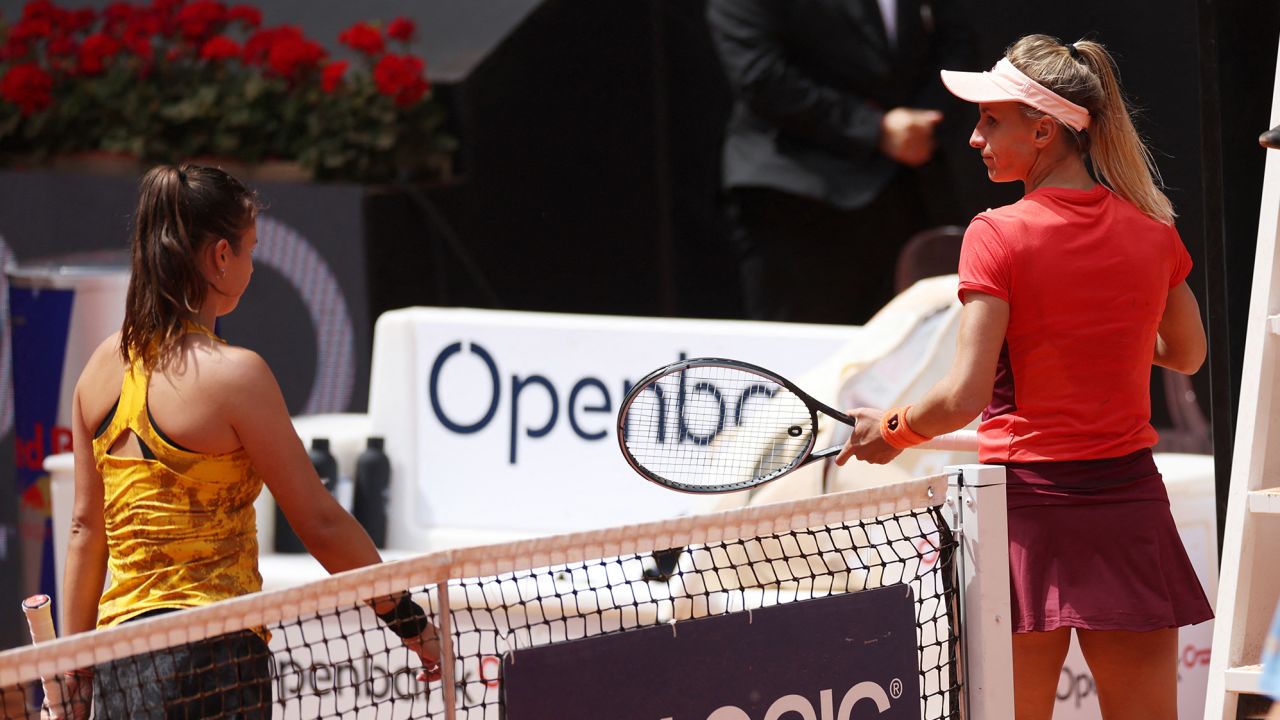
(181, 528)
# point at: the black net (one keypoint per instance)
(320, 652)
(526, 609)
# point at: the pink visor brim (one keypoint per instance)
(1006, 83)
(976, 87)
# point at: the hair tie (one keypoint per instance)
(182, 176)
(1071, 48)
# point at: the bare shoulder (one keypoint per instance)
(237, 369)
(104, 364)
(99, 383)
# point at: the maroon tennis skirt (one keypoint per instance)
(1092, 545)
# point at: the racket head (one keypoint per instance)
(714, 425)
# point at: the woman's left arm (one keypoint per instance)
(955, 399)
(1180, 340)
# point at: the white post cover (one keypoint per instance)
(976, 501)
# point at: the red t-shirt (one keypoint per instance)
(1086, 275)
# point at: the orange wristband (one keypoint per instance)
(896, 432)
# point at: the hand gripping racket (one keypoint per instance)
(711, 425)
(38, 609)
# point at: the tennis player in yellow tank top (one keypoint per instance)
(175, 433)
(180, 524)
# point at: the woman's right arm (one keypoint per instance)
(86, 569)
(1180, 340)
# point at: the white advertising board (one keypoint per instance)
(504, 421)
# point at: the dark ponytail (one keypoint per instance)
(180, 209)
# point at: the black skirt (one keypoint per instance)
(227, 676)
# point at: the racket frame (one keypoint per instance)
(960, 440)
(802, 458)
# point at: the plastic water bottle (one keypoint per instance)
(326, 467)
(286, 539)
(373, 480)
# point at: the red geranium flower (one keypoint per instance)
(219, 47)
(362, 37)
(33, 28)
(81, 19)
(126, 21)
(61, 45)
(201, 19)
(259, 44)
(94, 52)
(402, 29)
(249, 15)
(28, 87)
(332, 74)
(400, 77)
(44, 11)
(117, 13)
(140, 45)
(14, 50)
(291, 55)
(163, 11)
(145, 22)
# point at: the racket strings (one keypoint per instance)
(709, 427)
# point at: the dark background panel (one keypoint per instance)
(46, 214)
(561, 166)
(272, 318)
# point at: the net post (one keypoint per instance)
(976, 503)
(447, 684)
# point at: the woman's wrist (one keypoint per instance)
(896, 432)
(407, 619)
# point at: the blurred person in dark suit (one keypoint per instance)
(835, 124)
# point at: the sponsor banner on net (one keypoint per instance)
(836, 658)
(361, 671)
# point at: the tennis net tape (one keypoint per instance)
(329, 656)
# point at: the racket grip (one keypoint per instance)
(960, 440)
(39, 612)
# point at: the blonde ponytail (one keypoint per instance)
(1085, 74)
(1119, 155)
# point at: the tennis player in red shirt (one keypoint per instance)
(1070, 295)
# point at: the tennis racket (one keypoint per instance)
(39, 612)
(711, 425)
